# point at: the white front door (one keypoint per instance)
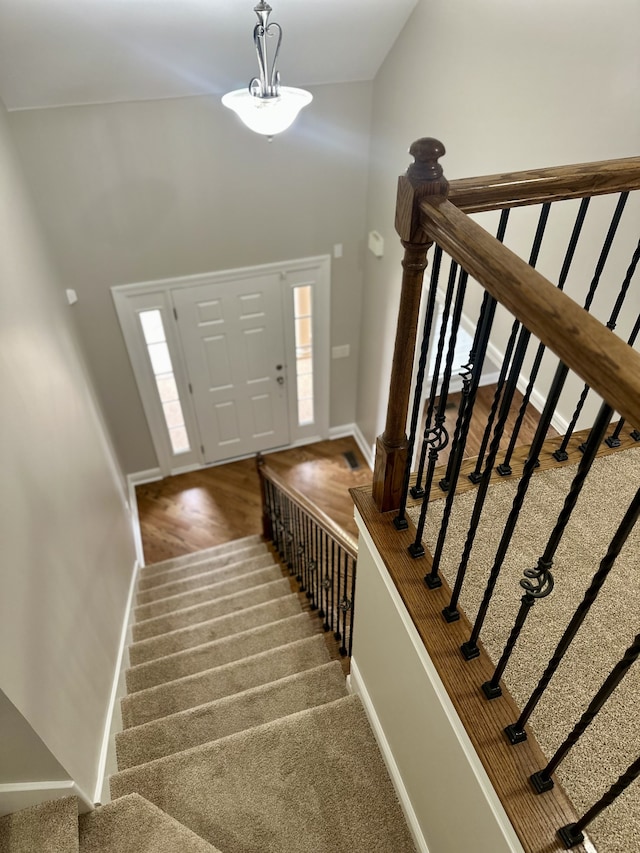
(234, 349)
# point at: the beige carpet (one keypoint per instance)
(245, 743)
(134, 825)
(186, 577)
(613, 739)
(48, 828)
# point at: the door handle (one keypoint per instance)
(280, 380)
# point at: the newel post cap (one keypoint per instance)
(423, 179)
(426, 153)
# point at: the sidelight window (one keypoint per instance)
(302, 305)
(160, 358)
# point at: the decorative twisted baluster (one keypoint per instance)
(438, 435)
(470, 648)
(542, 780)
(561, 454)
(538, 582)
(504, 469)
(417, 490)
(572, 834)
(400, 521)
(516, 732)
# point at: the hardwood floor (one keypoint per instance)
(182, 514)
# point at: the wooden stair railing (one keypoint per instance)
(319, 554)
(429, 210)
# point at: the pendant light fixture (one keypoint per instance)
(265, 106)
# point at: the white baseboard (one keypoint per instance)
(22, 795)
(367, 450)
(112, 723)
(538, 400)
(357, 686)
(140, 477)
(342, 431)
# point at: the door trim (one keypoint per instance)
(315, 270)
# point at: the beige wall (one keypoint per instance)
(505, 86)
(67, 550)
(140, 191)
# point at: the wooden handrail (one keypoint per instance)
(605, 362)
(514, 189)
(347, 542)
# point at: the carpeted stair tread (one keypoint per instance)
(313, 781)
(213, 629)
(231, 714)
(219, 652)
(207, 592)
(211, 609)
(225, 680)
(206, 553)
(132, 824)
(50, 827)
(200, 574)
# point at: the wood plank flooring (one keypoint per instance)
(182, 514)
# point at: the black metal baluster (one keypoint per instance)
(572, 834)
(438, 437)
(299, 545)
(542, 780)
(307, 553)
(353, 606)
(470, 648)
(337, 634)
(417, 398)
(614, 439)
(328, 581)
(476, 475)
(313, 571)
(467, 400)
(465, 373)
(538, 582)
(561, 455)
(613, 319)
(451, 612)
(345, 605)
(321, 571)
(504, 469)
(516, 732)
(469, 392)
(417, 491)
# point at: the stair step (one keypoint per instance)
(132, 824)
(221, 651)
(308, 782)
(200, 574)
(229, 715)
(213, 629)
(50, 827)
(217, 682)
(211, 609)
(205, 553)
(207, 592)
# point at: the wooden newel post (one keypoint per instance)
(424, 178)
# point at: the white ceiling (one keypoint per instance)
(57, 52)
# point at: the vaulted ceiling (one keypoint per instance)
(59, 52)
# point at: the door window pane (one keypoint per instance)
(302, 308)
(160, 358)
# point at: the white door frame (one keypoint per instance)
(130, 298)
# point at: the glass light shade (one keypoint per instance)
(268, 116)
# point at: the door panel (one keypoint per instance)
(233, 343)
